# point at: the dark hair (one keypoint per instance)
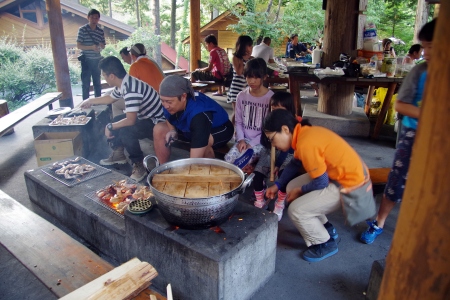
(138, 50)
(211, 39)
(293, 36)
(427, 31)
(415, 48)
(242, 43)
(283, 99)
(267, 40)
(93, 12)
(386, 41)
(279, 118)
(255, 68)
(124, 51)
(112, 65)
(259, 40)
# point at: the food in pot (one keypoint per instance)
(76, 120)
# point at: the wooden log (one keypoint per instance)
(195, 34)
(59, 52)
(341, 23)
(3, 112)
(418, 264)
(128, 279)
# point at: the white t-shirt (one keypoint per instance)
(263, 51)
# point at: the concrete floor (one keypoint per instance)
(343, 276)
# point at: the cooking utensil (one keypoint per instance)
(197, 213)
(52, 114)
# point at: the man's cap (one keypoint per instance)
(175, 85)
(137, 49)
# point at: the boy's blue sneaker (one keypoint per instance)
(371, 233)
(331, 230)
(321, 251)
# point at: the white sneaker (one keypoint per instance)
(260, 204)
(278, 210)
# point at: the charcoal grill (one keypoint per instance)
(93, 197)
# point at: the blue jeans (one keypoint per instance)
(89, 68)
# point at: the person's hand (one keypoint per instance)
(85, 104)
(271, 192)
(242, 145)
(275, 171)
(171, 136)
(108, 133)
(294, 194)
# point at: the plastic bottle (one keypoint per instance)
(374, 62)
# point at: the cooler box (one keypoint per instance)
(54, 146)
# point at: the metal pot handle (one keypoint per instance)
(150, 157)
(246, 183)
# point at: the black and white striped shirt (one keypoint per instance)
(140, 98)
(84, 37)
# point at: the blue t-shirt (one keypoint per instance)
(202, 103)
(411, 91)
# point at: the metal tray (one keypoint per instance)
(93, 196)
(88, 119)
(99, 170)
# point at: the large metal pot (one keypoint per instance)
(196, 213)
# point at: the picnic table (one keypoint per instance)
(297, 78)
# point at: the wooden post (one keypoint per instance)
(418, 264)
(195, 34)
(3, 112)
(59, 52)
(341, 23)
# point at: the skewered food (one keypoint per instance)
(120, 194)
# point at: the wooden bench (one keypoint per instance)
(175, 72)
(61, 263)
(379, 177)
(11, 119)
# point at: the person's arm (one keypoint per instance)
(393, 52)
(271, 61)
(238, 66)
(289, 173)
(103, 100)
(407, 109)
(129, 120)
(211, 62)
(91, 47)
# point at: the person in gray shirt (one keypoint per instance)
(91, 41)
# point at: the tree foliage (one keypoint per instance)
(34, 73)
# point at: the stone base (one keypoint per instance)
(356, 124)
(231, 262)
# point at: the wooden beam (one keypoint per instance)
(418, 264)
(341, 23)
(195, 34)
(59, 52)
